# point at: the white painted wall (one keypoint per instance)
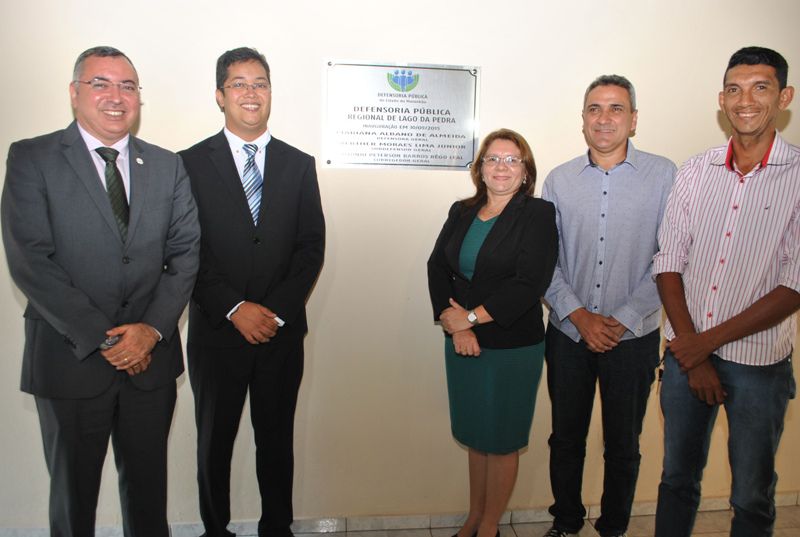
(372, 425)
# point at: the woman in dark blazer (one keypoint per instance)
(490, 266)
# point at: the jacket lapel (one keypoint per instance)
(504, 224)
(140, 181)
(453, 247)
(222, 158)
(274, 172)
(77, 154)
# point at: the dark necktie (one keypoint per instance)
(252, 181)
(116, 189)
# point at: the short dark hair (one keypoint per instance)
(241, 54)
(613, 80)
(476, 173)
(100, 51)
(760, 56)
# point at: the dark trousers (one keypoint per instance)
(625, 375)
(221, 379)
(75, 434)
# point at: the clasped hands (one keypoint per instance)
(454, 322)
(600, 333)
(255, 322)
(691, 350)
(132, 353)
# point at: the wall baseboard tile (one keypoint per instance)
(339, 525)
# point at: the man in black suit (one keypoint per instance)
(101, 235)
(261, 251)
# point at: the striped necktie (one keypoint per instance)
(115, 188)
(252, 181)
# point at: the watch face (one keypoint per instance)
(472, 317)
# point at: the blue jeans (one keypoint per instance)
(625, 375)
(755, 406)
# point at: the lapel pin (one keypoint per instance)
(139, 160)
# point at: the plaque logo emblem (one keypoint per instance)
(402, 80)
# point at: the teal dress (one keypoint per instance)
(492, 396)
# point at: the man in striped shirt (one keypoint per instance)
(728, 272)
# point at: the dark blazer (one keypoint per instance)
(67, 256)
(275, 263)
(512, 271)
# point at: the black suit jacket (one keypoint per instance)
(67, 256)
(512, 271)
(274, 263)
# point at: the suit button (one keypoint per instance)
(256, 240)
(126, 260)
(125, 303)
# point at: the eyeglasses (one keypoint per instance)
(494, 160)
(244, 86)
(102, 85)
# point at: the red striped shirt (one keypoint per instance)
(734, 238)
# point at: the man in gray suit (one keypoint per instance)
(101, 234)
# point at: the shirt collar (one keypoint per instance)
(776, 155)
(630, 158)
(729, 154)
(236, 142)
(93, 143)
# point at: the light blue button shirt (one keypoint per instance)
(607, 226)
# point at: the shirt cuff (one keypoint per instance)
(667, 263)
(154, 329)
(790, 283)
(233, 310)
(630, 319)
(566, 307)
(278, 320)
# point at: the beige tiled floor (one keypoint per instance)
(708, 524)
(718, 523)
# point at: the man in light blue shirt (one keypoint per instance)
(604, 306)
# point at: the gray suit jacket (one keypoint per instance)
(67, 256)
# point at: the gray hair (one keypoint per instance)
(102, 52)
(613, 80)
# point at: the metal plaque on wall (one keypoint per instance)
(410, 116)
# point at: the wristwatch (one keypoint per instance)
(108, 343)
(472, 317)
